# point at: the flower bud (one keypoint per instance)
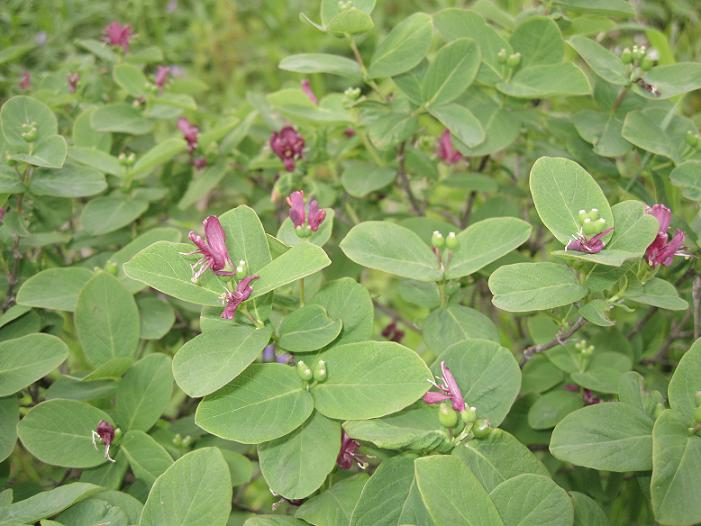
(31, 134)
(582, 215)
(187, 441)
(304, 372)
(241, 270)
(692, 139)
(111, 267)
(320, 371)
(627, 56)
(451, 241)
(469, 415)
(437, 239)
(177, 440)
(647, 63)
(131, 158)
(122, 158)
(447, 416)
(501, 56)
(513, 60)
(481, 429)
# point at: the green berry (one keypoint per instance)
(320, 371)
(451, 241)
(481, 429)
(582, 215)
(111, 267)
(647, 63)
(437, 239)
(469, 415)
(241, 270)
(501, 56)
(589, 227)
(447, 416)
(627, 56)
(304, 372)
(691, 138)
(513, 60)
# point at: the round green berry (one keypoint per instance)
(469, 415)
(304, 372)
(513, 60)
(481, 429)
(447, 416)
(451, 241)
(320, 371)
(437, 239)
(589, 227)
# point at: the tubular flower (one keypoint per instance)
(348, 454)
(190, 133)
(299, 215)
(288, 145)
(307, 89)
(232, 300)
(73, 80)
(105, 433)
(215, 255)
(161, 77)
(592, 245)
(393, 333)
(446, 152)
(119, 35)
(663, 249)
(448, 390)
(26, 82)
(316, 215)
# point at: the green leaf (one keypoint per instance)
(369, 380)
(322, 63)
(50, 152)
(288, 235)
(487, 373)
(59, 432)
(596, 312)
(274, 390)
(106, 320)
(451, 72)
(497, 458)
(93, 511)
(443, 481)
(391, 129)
(524, 287)
(131, 79)
(500, 125)
(687, 176)
(163, 267)
(348, 301)
(403, 48)
(539, 41)
(603, 130)
(334, 506)
(144, 393)
(147, 458)
(552, 407)
(25, 360)
(202, 185)
(673, 79)
(20, 110)
(194, 491)
(9, 416)
(350, 21)
(461, 122)
(391, 248)
(685, 381)
(586, 511)
(11, 53)
(296, 465)
(612, 437)
(97, 159)
(657, 131)
(560, 189)
(540, 374)
(47, 503)
(484, 242)
(604, 372)
(157, 317)
(361, 178)
(70, 181)
(545, 81)
(532, 500)
(308, 329)
(212, 359)
(455, 323)
(120, 118)
(163, 152)
(599, 7)
(603, 62)
(676, 457)
(106, 214)
(658, 293)
(85, 136)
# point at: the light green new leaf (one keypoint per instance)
(369, 380)
(265, 402)
(451, 72)
(144, 393)
(59, 432)
(391, 248)
(212, 359)
(25, 360)
(550, 80)
(403, 48)
(613, 436)
(194, 491)
(602, 61)
(524, 287)
(147, 458)
(532, 500)
(348, 301)
(321, 63)
(296, 465)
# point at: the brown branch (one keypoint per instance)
(404, 181)
(465, 216)
(560, 338)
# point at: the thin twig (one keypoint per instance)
(389, 311)
(674, 334)
(642, 322)
(469, 204)
(404, 181)
(560, 338)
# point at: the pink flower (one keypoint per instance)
(215, 255)
(190, 133)
(348, 454)
(349, 132)
(298, 214)
(307, 88)
(316, 215)
(26, 82)
(119, 35)
(161, 77)
(662, 214)
(592, 245)
(288, 145)
(105, 433)
(448, 390)
(446, 152)
(393, 333)
(590, 398)
(662, 250)
(232, 300)
(73, 80)
(199, 163)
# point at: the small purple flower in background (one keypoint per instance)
(215, 255)
(393, 333)
(190, 133)
(590, 398)
(105, 433)
(663, 249)
(593, 245)
(298, 213)
(269, 353)
(349, 132)
(449, 390)
(41, 38)
(348, 454)
(288, 145)
(118, 35)
(73, 80)
(307, 89)
(232, 300)
(172, 6)
(26, 82)
(161, 77)
(446, 152)
(199, 163)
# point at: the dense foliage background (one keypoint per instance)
(481, 308)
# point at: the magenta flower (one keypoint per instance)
(590, 398)
(663, 249)
(161, 77)
(73, 80)
(232, 300)
(119, 35)
(393, 333)
(199, 163)
(298, 214)
(190, 133)
(592, 245)
(288, 145)
(349, 132)
(215, 255)
(348, 454)
(2, 215)
(446, 152)
(105, 433)
(26, 82)
(448, 390)
(316, 215)
(307, 89)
